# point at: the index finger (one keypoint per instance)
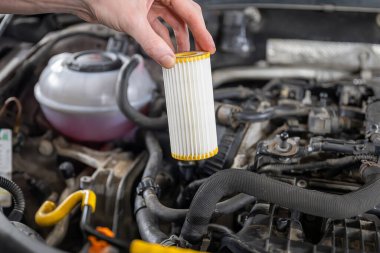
(191, 13)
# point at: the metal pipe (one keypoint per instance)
(267, 73)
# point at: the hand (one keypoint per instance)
(140, 19)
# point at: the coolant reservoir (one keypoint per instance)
(77, 93)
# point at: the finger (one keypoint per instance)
(180, 29)
(153, 44)
(191, 13)
(163, 31)
(197, 47)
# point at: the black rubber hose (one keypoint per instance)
(277, 112)
(255, 117)
(270, 114)
(147, 223)
(313, 166)
(12, 240)
(125, 106)
(18, 198)
(187, 194)
(170, 214)
(316, 203)
(220, 229)
(155, 157)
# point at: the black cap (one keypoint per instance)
(94, 61)
(67, 170)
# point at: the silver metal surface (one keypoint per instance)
(114, 160)
(321, 7)
(283, 72)
(335, 55)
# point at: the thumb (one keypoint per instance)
(154, 45)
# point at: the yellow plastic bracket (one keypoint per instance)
(49, 214)
(138, 246)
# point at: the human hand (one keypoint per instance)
(140, 19)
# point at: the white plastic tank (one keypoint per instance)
(77, 93)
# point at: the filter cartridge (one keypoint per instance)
(190, 107)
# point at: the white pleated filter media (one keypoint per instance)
(190, 107)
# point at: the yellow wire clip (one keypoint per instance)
(49, 214)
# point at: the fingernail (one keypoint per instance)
(213, 50)
(168, 61)
(212, 45)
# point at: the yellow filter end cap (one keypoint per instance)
(195, 157)
(191, 56)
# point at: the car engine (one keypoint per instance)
(85, 156)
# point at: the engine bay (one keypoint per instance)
(84, 120)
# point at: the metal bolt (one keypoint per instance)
(302, 183)
(374, 128)
(323, 99)
(284, 136)
(85, 182)
(281, 224)
(284, 145)
(46, 148)
(67, 170)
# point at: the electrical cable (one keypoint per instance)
(18, 198)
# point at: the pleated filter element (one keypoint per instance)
(190, 107)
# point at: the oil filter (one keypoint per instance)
(190, 107)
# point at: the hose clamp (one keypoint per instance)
(176, 241)
(369, 169)
(148, 184)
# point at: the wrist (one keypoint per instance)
(62, 6)
(44, 6)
